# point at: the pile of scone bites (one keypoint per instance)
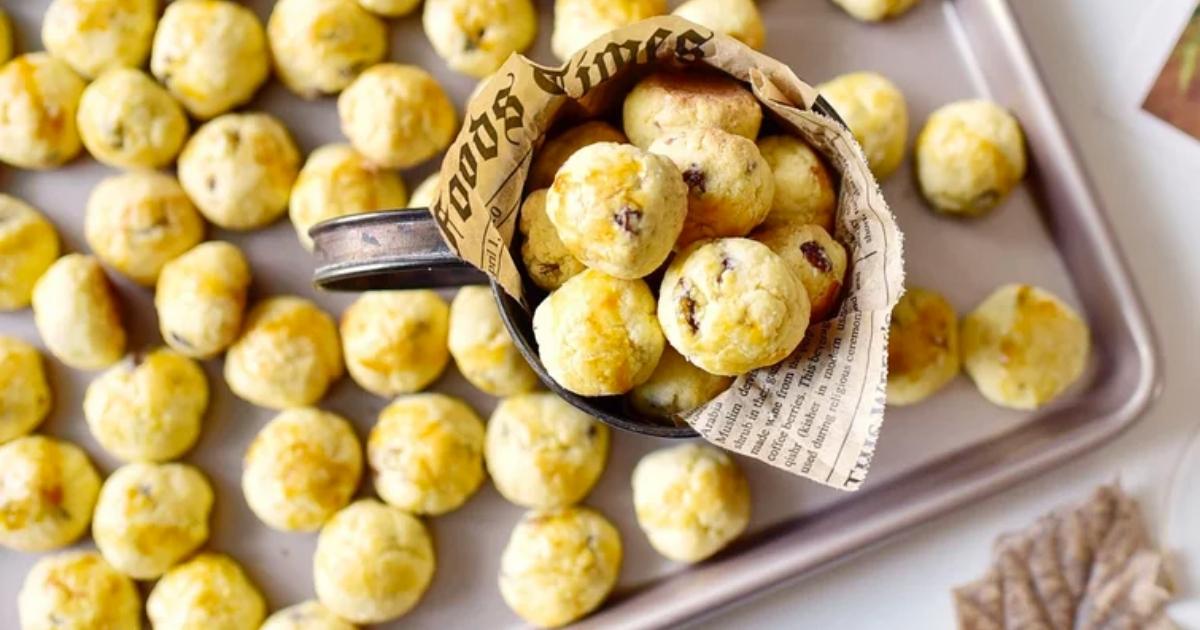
(143, 88)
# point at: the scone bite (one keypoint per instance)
(337, 181)
(239, 170)
(669, 100)
(320, 46)
(482, 348)
(426, 453)
(1023, 346)
(287, 356)
(307, 615)
(389, 8)
(818, 261)
(730, 185)
(39, 96)
(395, 341)
(78, 589)
(373, 562)
(208, 591)
(547, 261)
(557, 149)
(425, 193)
(28, 246)
(731, 306)
(875, 111)
(96, 35)
(559, 565)
(738, 19)
(77, 314)
(47, 493)
(691, 501)
(675, 388)
(301, 468)
(25, 396)
(578, 22)
(923, 355)
(138, 221)
(804, 192)
(211, 54)
(128, 121)
(542, 452)
(617, 208)
(200, 298)
(147, 407)
(597, 335)
(970, 155)
(149, 517)
(397, 115)
(475, 36)
(875, 10)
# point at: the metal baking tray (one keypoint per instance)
(942, 454)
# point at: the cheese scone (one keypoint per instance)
(691, 500)
(239, 169)
(200, 298)
(923, 354)
(676, 387)
(666, 101)
(556, 150)
(78, 589)
(287, 356)
(597, 335)
(320, 46)
(39, 96)
(397, 115)
(395, 341)
(28, 246)
(138, 221)
(482, 348)
(148, 407)
(209, 591)
(559, 565)
(542, 452)
(732, 305)
(307, 615)
(738, 19)
(25, 396)
(211, 54)
(149, 517)
(818, 261)
(426, 453)
(804, 191)
(578, 22)
(547, 261)
(336, 181)
(301, 468)
(389, 8)
(970, 155)
(617, 208)
(97, 35)
(730, 185)
(475, 37)
(128, 121)
(875, 111)
(47, 493)
(77, 314)
(373, 562)
(1023, 346)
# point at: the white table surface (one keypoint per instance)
(1147, 175)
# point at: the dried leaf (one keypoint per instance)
(1087, 568)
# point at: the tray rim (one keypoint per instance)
(785, 553)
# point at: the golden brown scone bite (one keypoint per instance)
(557, 149)
(320, 46)
(875, 111)
(97, 35)
(738, 19)
(395, 341)
(47, 493)
(475, 36)
(818, 261)
(804, 190)
(578, 22)
(208, 591)
(397, 115)
(77, 314)
(548, 263)
(128, 121)
(665, 101)
(39, 96)
(970, 155)
(923, 348)
(28, 246)
(78, 589)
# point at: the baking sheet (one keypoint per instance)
(1047, 234)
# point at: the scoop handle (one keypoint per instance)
(389, 249)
